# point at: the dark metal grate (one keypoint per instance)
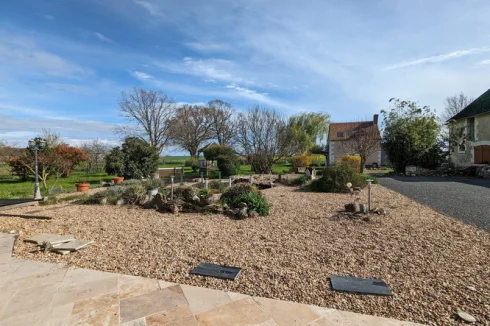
(218, 271)
(359, 285)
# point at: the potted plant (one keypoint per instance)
(153, 185)
(117, 180)
(82, 186)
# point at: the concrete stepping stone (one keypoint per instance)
(53, 239)
(74, 245)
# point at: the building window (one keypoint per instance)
(470, 129)
(340, 134)
(462, 148)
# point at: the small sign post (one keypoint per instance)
(172, 187)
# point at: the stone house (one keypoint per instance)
(338, 139)
(472, 129)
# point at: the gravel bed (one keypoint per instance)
(467, 199)
(433, 263)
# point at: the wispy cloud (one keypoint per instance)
(484, 62)
(49, 17)
(207, 46)
(150, 7)
(439, 58)
(102, 37)
(141, 75)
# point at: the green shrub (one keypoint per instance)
(352, 160)
(301, 180)
(212, 153)
(303, 160)
(336, 176)
(154, 184)
(192, 162)
(246, 193)
(114, 162)
(318, 159)
(228, 165)
(134, 193)
(140, 158)
(368, 176)
(185, 193)
(131, 182)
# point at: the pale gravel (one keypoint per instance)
(429, 260)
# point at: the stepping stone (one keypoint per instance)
(74, 245)
(218, 271)
(51, 238)
(61, 252)
(359, 285)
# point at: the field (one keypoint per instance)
(12, 187)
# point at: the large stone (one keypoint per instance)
(466, 316)
(352, 207)
(74, 245)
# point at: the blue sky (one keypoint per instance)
(63, 63)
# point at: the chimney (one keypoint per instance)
(375, 119)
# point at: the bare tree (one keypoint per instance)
(96, 152)
(151, 111)
(455, 104)
(52, 138)
(223, 121)
(190, 127)
(364, 140)
(264, 137)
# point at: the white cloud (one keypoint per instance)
(49, 17)
(484, 62)
(102, 37)
(439, 58)
(141, 75)
(207, 46)
(151, 8)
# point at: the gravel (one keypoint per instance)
(467, 199)
(434, 264)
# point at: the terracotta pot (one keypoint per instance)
(82, 187)
(118, 180)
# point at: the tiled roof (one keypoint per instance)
(479, 106)
(343, 130)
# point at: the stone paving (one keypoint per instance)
(36, 293)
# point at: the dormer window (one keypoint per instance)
(340, 134)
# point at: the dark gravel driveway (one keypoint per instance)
(467, 199)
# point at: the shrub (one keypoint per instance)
(246, 193)
(154, 184)
(114, 162)
(301, 180)
(140, 158)
(318, 159)
(133, 194)
(336, 176)
(212, 153)
(303, 160)
(131, 182)
(192, 162)
(353, 161)
(368, 176)
(228, 165)
(185, 193)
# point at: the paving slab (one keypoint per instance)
(37, 293)
(74, 245)
(53, 239)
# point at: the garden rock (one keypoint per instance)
(466, 316)
(352, 207)
(363, 209)
(253, 214)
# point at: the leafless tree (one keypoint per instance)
(264, 138)
(96, 151)
(454, 104)
(151, 112)
(223, 121)
(52, 138)
(190, 127)
(364, 140)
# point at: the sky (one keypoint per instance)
(64, 63)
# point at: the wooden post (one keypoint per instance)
(182, 179)
(202, 179)
(251, 178)
(369, 194)
(206, 183)
(219, 176)
(229, 181)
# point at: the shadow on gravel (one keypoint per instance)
(466, 180)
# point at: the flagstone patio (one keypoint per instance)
(36, 293)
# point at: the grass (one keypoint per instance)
(12, 187)
(15, 188)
